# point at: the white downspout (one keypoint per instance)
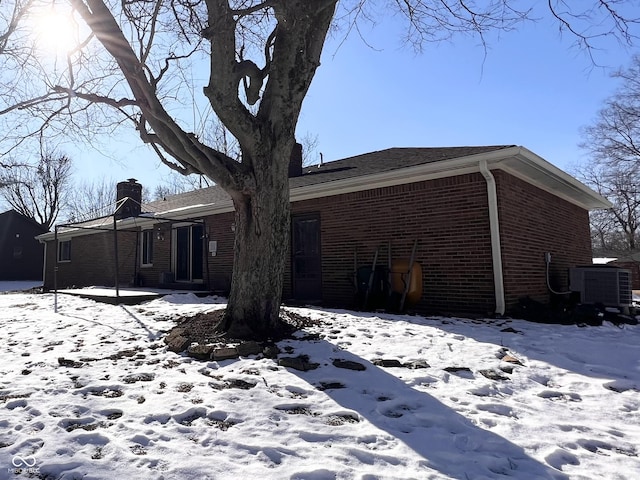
(494, 226)
(44, 265)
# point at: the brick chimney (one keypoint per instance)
(130, 190)
(295, 161)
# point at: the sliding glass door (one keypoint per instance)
(188, 253)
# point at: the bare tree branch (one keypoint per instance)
(38, 191)
(613, 169)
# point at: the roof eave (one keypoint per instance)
(535, 170)
(417, 173)
(143, 221)
(517, 161)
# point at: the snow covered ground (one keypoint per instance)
(92, 393)
(18, 285)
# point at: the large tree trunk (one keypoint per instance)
(292, 34)
(262, 222)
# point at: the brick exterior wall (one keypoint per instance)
(532, 222)
(149, 276)
(219, 228)
(633, 267)
(92, 261)
(449, 218)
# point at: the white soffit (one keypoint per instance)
(533, 169)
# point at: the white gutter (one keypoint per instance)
(401, 176)
(494, 227)
(143, 221)
(537, 171)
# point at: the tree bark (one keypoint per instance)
(258, 183)
(261, 247)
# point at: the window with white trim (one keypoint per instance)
(64, 250)
(146, 258)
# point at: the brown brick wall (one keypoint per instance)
(149, 276)
(92, 257)
(218, 228)
(92, 261)
(453, 243)
(633, 267)
(449, 218)
(532, 222)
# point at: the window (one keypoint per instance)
(147, 248)
(64, 251)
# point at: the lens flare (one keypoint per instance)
(55, 31)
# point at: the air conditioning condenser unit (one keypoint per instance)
(610, 286)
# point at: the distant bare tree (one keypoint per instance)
(603, 233)
(310, 143)
(615, 229)
(613, 169)
(91, 199)
(614, 137)
(39, 191)
(174, 184)
(10, 23)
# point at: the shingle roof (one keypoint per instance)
(384, 161)
(360, 165)
(12, 214)
(201, 196)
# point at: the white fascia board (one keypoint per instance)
(196, 211)
(535, 170)
(417, 173)
(71, 232)
(517, 161)
(143, 221)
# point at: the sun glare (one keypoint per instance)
(55, 31)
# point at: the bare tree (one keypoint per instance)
(615, 229)
(174, 184)
(135, 62)
(10, 22)
(38, 191)
(310, 143)
(614, 137)
(602, 232)
(613, 169)
(89, 200)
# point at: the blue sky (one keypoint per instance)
(531, 89)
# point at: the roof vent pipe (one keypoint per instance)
(494, 227)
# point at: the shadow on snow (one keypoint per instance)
(449, 443)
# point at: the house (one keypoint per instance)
(481, 219)
(21, 255)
